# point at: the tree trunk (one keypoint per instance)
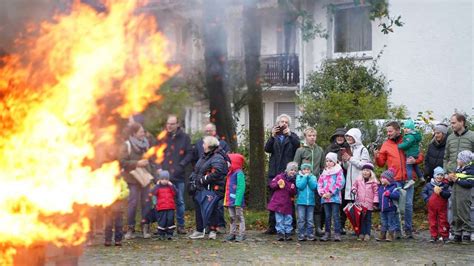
(215, 57)
(252, 38)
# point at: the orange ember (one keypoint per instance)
(61, 94)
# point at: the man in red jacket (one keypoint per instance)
(393, 157)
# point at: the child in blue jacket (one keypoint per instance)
(306, 185)
(388, 211)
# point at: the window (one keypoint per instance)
(286, 108)
(352, 30)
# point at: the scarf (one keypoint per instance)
(141, 145)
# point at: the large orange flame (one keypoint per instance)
(59, 95)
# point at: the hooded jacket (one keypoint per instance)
(331, 181)
(434, 156)
(360, 156)
(210, 172)
(366, 192)
(313, 155)
(235, 184)
(281, 200)
(306, 185)
(411, 144)
(428, 191)
(386, 202)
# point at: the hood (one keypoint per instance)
(339, 132)
(417, 135)
(236, 161)
(356, 134)
(409, 123)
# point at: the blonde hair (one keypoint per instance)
(310, 130)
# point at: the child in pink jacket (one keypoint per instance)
(365, 189)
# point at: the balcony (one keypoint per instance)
(280, 69)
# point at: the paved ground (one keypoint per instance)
(262, 249)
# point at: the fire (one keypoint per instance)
(61, 95)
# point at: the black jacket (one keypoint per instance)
(281, 153)
(178, 154)
(210, 172)
(198, 150)
(434, 156)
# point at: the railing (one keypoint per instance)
(280, 69)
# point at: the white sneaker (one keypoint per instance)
(409, 184)
(213, 235)
(197, 235)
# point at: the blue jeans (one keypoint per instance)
(389, 221)
(283, 223)
(408, 209)
(411, 168)
(137, 194)
(366, 223)
(180, 203)
(331, 211)
(305, 220)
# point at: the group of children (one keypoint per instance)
(370, 194)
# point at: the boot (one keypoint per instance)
(317, 225)
(129, 233)
(337, 237)
(382, 236)
(390, 236)
(146, 231)
(326, 237)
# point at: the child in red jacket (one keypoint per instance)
(163, 200)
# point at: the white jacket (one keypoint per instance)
(360, 156)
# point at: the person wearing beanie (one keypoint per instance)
(436, 194)
(390, 156)
(462, 182)
(306, 185)
(234, 197)
(330, 183)
(164, 206)
(435, 152)
(281, 201)
(387, 194)
(365, 193)
(411, 146)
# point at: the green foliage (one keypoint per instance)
(379, 9)
(342, 91)
(174, 100)
(310, 29)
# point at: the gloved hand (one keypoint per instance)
(437, 189)
(386, 193)
(281, 183)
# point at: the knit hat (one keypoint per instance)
(332, 157)
(409, 124)
(291, 166)
(438, 171)
(388, 174)
(339, 132)
(441, 128)
(164, 175)
(305, 166)
(465, 156)
(368, 166)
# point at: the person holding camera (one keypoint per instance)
(281, 146)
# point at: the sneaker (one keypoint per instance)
(108, 243)
(288, 237)
(281, 237)
(310, 238)
(446, 240)
(181, 231)
(197, 235)
(301, 238)
(457, 239)
(128, 234)
(169, 237)
(367, 238)
(337, 237)
(422, 179)
(240, 238)
(433, 239)
(360, 238)
(118, 243)
(408, 184)
(213, 235)
(230, 238)
(325, 237)
(409, 235)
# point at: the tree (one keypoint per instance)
(252, 38)
(215, 57)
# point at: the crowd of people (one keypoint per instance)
(310, 189)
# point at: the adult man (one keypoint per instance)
(198, 151)
(391, 156)
(282, 146)
(178, 154)
(461, 139)
(312, 154)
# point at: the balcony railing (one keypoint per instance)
(280, 69)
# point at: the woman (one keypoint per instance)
(208, 180)
(130, 158)
(435, 153)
